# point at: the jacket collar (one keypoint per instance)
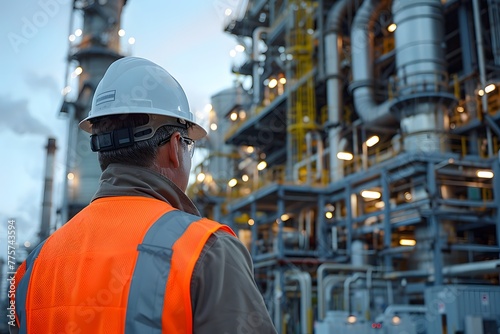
(126, 180)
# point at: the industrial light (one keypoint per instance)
(232, 53)
(396, 320)
(488, 89)
(408, 196)
(370, 194)
(234, 116)
(201, 177)
(372, 141)
(380, 205)
(262, 165)
(284, 217)
(407, 242)
(272, 83)
(208, 107)
(345, 156)
(78, 70)
(283, 80)
(66, 90)
(485, 174)
(239, 48)
(72, 38)
(228, 11)
(78, 32)
(392, 27)
(121, 32)
(460, 109)
(244, 177)
(131, 41)
(242, 114)
(27, 244)
(251, 222)
(351, 319)
(213, 126)
(71, 176)
(480, 92)
(250, 149)
(328, 215)
(232, 183)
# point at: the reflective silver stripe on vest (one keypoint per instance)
(22, 288)
(147, 289)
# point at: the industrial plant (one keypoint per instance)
(356, 157)
(360, 165)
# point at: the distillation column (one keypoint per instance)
(421, 73)
(99, 47)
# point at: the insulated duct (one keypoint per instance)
(362, 87)
(334, 82)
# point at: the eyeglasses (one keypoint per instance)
(189, 142)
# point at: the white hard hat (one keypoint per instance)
(137, 85)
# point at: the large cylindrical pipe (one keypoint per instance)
(362, 87)
(334, 82)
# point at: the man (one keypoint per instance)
(138, 258)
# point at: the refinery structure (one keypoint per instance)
(356, 157)
(360, 166)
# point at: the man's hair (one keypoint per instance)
(141, 153)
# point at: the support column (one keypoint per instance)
(433, 224)
(281, 211)
(321, 228)
(386, 196)
(255, 229)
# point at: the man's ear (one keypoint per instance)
(168, 154)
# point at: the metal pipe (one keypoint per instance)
(332, 266)
(334, 83)
(453, 270)
(482, 68)
(304, 279)
(256, 37)
(362, 53)
(319, 155)
(329, 282)
(347, 283)
(470, 268)
(278, 294)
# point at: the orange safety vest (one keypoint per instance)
(122, 265)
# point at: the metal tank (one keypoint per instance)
(422, 78)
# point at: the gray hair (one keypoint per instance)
(141, 153)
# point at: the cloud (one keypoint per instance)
(37, 82)
(15, 116)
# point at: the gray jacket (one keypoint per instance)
(224, 296)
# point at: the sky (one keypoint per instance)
(184, 37)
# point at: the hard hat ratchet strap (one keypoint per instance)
(112, 140)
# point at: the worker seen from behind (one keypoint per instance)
(139, 258)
